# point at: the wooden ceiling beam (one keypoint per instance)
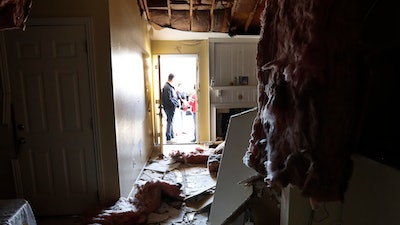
(191, 15)
(251, 16)
(212, 15)
(143, 4)
(169, 11)
(233, 9)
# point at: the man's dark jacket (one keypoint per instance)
(169, 98)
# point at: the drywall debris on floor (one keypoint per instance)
(197, 186)
(189, 171)
(167, 192)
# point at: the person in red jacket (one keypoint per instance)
(193, 102)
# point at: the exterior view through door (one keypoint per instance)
(184, 67)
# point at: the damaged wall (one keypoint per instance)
(314, 69)
(307, 53)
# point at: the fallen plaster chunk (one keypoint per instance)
(150, 175)
(195, 194)
(200, 219)
(200, 202)
(157, 217)
(196, 181)
(166, 214)
(162, 165)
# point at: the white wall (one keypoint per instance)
(372, 198)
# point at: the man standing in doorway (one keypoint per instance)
(169, 102)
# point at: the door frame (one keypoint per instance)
(157, 86)
(5, 76)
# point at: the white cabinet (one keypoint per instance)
(230, 97)
(241, 96)
(232, 58)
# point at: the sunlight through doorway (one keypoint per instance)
(184, 67)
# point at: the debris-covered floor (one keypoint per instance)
(180, 186)
(197, 187)
(170, 190)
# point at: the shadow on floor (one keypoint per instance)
(58, 220)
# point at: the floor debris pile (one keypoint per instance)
(150, 197)
(170, 190)
(211, 156)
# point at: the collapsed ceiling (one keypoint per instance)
(235, 17)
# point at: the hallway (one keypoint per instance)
(168, 191)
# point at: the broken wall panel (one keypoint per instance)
(229, 193)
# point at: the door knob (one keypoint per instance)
(21, 126)
(21, 140)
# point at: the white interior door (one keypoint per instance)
(49, 76)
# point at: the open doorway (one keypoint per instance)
(185, 69)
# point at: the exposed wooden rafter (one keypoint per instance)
(191, 14)
(169, 11)
(225, 16)
(251, 15)
(143, 5)
(212, 15)
(233, 9)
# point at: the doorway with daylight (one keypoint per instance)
(185, 69)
